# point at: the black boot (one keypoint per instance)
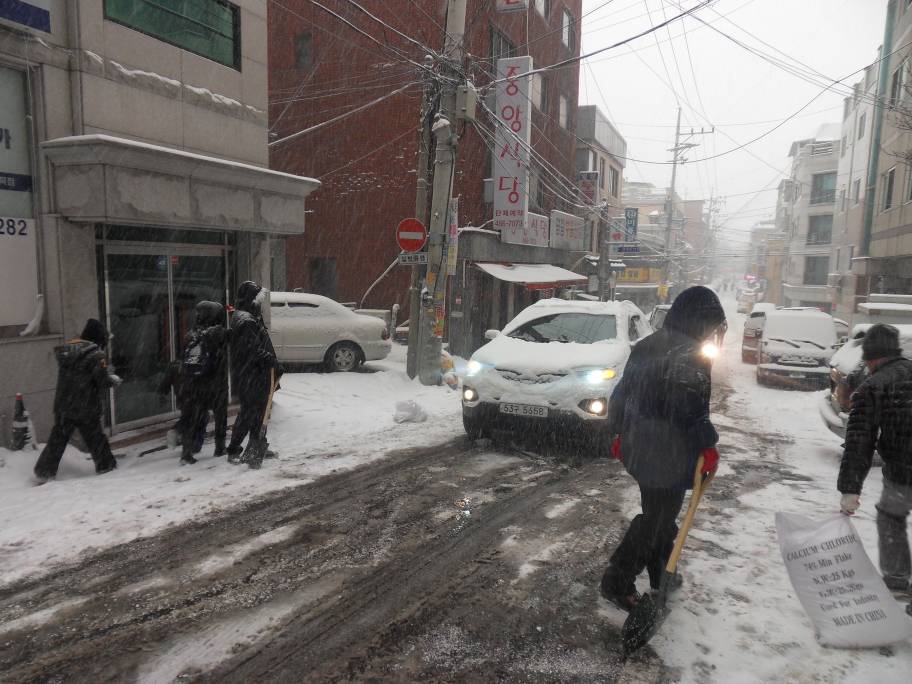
(269, 453)
(235, 454)
(619, 591)
(219, 448)
(253, 454)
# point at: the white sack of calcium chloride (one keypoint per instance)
(837, 583)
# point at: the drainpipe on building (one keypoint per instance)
(877, 132)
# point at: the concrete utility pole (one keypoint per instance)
(604, 267)
(421, 213)
(433, 296)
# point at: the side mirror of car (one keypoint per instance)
(491, 334)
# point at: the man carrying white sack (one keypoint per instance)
(881, 419)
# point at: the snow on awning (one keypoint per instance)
(533, 276)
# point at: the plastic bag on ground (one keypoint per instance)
(837, 583)
(409, 412)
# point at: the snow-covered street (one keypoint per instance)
(424, 555)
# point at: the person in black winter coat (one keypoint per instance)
(253, 361)
(660, 414)
(881, 419)
(82, 378)
(204, 380)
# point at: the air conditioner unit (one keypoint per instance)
(834, 280)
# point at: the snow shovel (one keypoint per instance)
(652, 609)
(258, 453)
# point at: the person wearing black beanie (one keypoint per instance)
(881, 419)
(660, 414)
(83, 377)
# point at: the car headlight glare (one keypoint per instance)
(597, 375)
(597, 406)
(709, 350)
(473, 367)
(468, 394)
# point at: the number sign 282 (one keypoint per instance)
(13, 226)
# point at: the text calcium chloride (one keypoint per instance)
(838, 585)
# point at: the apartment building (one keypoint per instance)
(133, 183)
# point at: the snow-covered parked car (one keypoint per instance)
(753, 328)
(657, 316)
(309, 328)
(847, 372)
(554, 365)
(796, 347)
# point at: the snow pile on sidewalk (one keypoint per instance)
(737, 618)
(320, 423)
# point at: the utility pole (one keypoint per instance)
(604, 267)
(421, 213)
(433, 295)
(669, 205)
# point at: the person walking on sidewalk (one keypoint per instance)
(253, 359)
(660, 414)
(204, 381)
(881, 419)
(82, 378)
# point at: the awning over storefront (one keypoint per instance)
(106, 179)
(533, 276)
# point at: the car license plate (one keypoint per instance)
(797, 375)
(524, 410)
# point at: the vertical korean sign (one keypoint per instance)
(18, 257)
(511, 151)
(453, 238)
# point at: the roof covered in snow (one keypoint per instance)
(532, 274)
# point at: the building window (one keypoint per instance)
(614, 185)
(567, 34)
(210, 28)
(823, 188)
(500, 46)
(539, 92)
(888, 178)
(856, 191)
(820, 229)
(543, 7)
(815, 270)
(842, 148)
(563, 115)
(603, 180)
(842, 199)
(303, 44)
(898, 84)
(851, 256)
(861, 126)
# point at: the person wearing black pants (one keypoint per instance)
(659, 412)
(82, 378)
(253, 366)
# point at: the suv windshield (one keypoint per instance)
(815, 330)
(568, 327)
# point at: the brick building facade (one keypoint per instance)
(321, 66)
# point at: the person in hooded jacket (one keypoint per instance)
(204, 381)
(253, 359)
(82, 378)
(660, 414)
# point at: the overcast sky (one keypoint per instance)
(740, 93)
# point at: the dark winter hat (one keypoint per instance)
(95, 332)
(696, 312)
(210, 313)
(247, 292)
(880, 342)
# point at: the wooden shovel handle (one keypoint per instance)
(700, 485)
(272, 386)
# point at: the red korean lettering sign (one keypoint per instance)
(512, 5)
(511, 152)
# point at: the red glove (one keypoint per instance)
(616, 449)
(710, 460)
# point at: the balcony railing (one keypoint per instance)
(823, 197)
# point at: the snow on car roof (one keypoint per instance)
(543, 307)
(305, 298)
(763, 306)
(868, 307)
(800, 325)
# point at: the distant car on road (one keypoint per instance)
(554, 366)
(309, 328)
(753, 328)
(847, 372)
(795, 349)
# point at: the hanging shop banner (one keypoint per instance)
(511, 151)
(453, 238)
(631, 218)
(512, 5)
(533, 232)
(567, 231)
(588, 182)
(18, 255)
(29, 14)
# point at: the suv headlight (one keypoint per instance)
(474, 367)
(596, 376)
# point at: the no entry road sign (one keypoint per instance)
(411, 235)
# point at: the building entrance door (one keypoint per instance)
(151, 296)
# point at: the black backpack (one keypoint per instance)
(197, 360)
